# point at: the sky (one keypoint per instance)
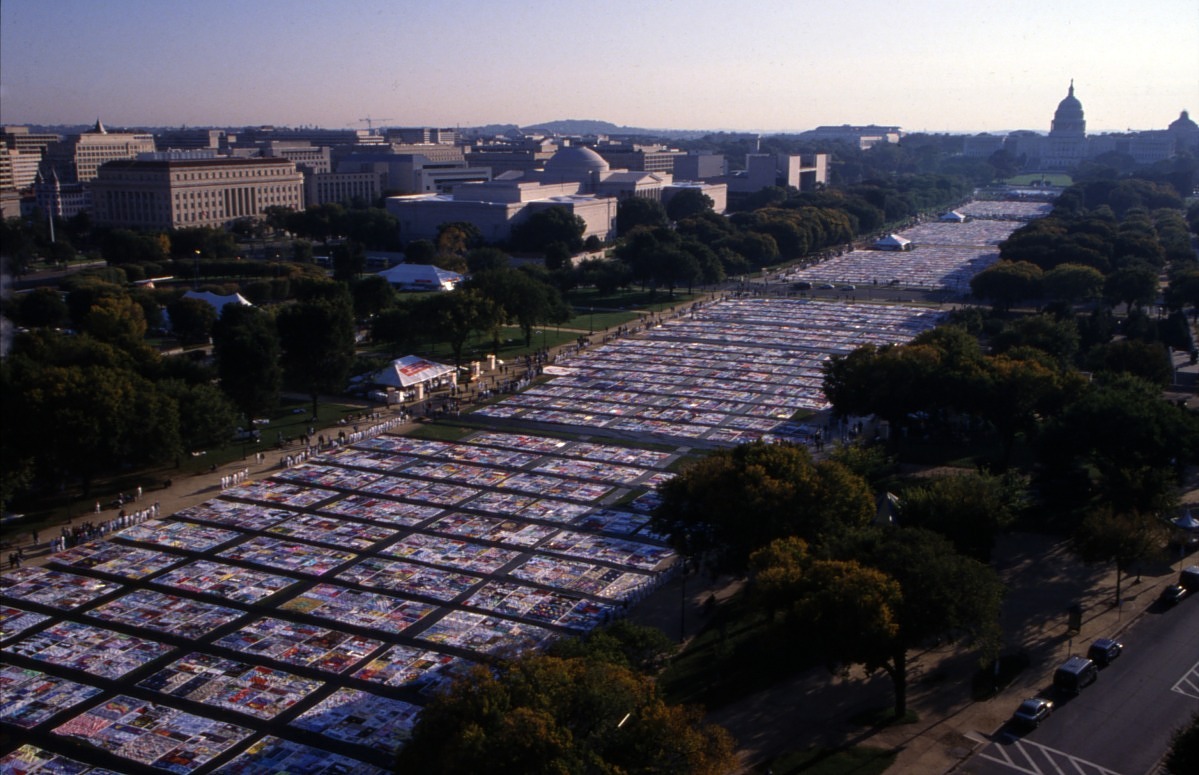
(754, 65)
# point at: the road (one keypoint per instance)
(1122, 723)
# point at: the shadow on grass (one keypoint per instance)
(858, 760)
(736, 655)
(880, 717)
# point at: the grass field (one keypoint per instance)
(1046, 178)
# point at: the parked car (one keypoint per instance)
(1188, 578)
(1075, 674)
(802, 285)
(826, 286)
(1032, 712)
(1104, 651)
(849, 287)
(1172, 594)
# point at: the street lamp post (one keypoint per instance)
(591, 321)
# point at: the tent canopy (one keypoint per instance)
(1186, 521)
(216, 300)
(408, 371)
(893, 242)
(953, 216)
(421, 277)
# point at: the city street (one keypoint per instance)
(1123, 722)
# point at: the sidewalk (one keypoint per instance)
(1044, 579)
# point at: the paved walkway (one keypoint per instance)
(812, 709)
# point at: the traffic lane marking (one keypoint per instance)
(1188, 685)
(1076, 764)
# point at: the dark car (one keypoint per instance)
(1172, 594)
(1032, 712)
(1104, 651)
(802, 285)
(826, 286)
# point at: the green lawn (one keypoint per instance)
(285, 421)
(733, 657)
(583, 298)
(1051, 178)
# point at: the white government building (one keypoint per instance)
(575, 177)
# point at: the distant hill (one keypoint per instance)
(592, 126)
(575, 126)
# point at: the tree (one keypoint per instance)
(688, 202)
(522, 298)
(970, 509)
(1183, 756)
(620, 643)
(117, 320)
(1072, 283)
(191, 319)
(841, 600)
(42, 307)
(1122, 538)
(1007, 282)
(401, 326)
(735, 501)
(206, 416)
(459, 314)
(1149, 361)
(458, 238)
(891, 382)
(486, 259)
(247, 350)
(943, 594)
(317, 337)
(1014, 393)
(421, 251)
(553, 224)
(1130, 441)
(639, 211)
(1183, 290)
(349, 261)
(543, 715)
(1134, 285)
(372, 295)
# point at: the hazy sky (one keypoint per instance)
(759, 65)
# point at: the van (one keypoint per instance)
(1189, 578)
(1074, 674)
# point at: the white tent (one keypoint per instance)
(421, 277)
(216, 300)
(1186, 529)
(410, 370)
(893, 242)
(953, 216)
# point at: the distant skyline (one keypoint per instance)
(757, 65)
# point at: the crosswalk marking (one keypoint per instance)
(1188, 685)
(1054, 760)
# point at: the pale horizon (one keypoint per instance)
(768, 66)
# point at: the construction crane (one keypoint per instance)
(370, 122)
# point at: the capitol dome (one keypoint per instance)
(576, 161)
(1069, 109)
(1068, 120)
(1183, 123)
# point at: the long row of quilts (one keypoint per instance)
(301, 621)
(945, 255)
(730, 372)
